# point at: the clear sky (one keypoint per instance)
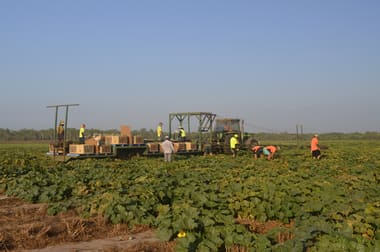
(274, 64)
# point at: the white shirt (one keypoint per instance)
(167, 146)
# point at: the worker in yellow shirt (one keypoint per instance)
(159, 131)
(234, 145)
(182, 134)
(81, 134)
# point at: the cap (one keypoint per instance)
(315, 135)
(166, 137)
(236, 135)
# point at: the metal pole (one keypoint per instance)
(188, 125)
(170, 126)
(242, 133)
(55, 131)
(55, 124)
(65, 135)
(297, 136)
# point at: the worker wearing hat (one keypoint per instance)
(159, 131)
(168, 149)
(61, 131)
(234, 145)
(182, 133)
(82, 133)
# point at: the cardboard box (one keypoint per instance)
(82, 148)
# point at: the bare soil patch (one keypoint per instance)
(28, 227)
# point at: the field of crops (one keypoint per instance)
(216, 203)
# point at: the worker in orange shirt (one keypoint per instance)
(314, 147)
(257, 151)
(269, 151)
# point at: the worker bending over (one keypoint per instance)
(269, 151)
(257, 151)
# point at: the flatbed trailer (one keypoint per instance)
(122, 151)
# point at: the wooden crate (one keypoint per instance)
(90, 141)
(124, 139)
(191, 146)
(125, 130)
(105, 149)
(153, 147)
(112, 140)
(138, 140)
(82, 148)
(179, 147)
(116, 140)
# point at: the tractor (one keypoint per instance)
(224, 129)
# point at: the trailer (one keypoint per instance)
(201, 138)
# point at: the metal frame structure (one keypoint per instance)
(56, 124)
(205, 123)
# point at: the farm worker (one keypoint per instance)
(81, 133)
(61, 131)
(234, 145)
(269, 151)
(257, 151)
(168, 148)
(314, 147)
(182, 133)
(159, 131)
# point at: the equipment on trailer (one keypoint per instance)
(121, 146)
(59, 146)
(207, 137)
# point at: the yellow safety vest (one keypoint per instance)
(182, 132)
(233, 142)
(159, 131)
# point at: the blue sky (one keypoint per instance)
(274, 64)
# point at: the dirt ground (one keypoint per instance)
(27, 227)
